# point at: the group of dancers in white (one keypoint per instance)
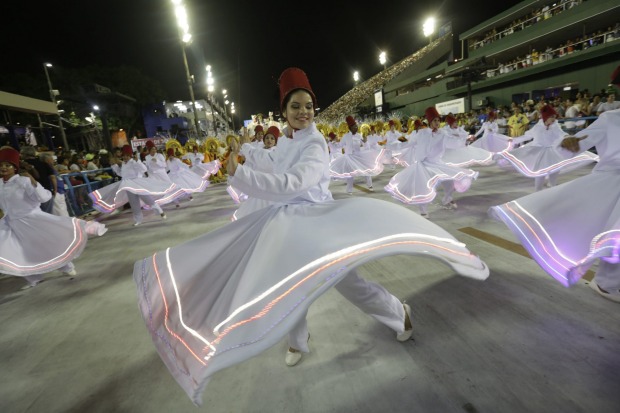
(290, 241)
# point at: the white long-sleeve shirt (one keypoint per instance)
(18, 197)
(603, 133)
(130, 170)
(487, 127)
(351, 143)
(156, 166)
(300, 170)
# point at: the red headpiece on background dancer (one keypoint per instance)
(547, 111)
(127, 150)
(10, 155)
(431, 113)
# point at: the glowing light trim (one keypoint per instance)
(320, 264)
(523, 169)
(66, 255)
(377, 168)
(392, 188)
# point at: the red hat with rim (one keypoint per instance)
(547, 111)
(170, 152)
(491, 115)
(273, 130)
(431, 113)
(332, 135)
(615, 76)
(127, 150)
(10, 155)
(450, 120)
(150, 144)
(258, 128)
(291, 80)
(350, 121)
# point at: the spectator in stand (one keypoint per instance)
(74, 164)
(610, 104)
(530, 111)
(594, 105)
(42, 172)
(517, 123)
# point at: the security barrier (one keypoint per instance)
(76, 194)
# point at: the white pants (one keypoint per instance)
(136, 207)
(371, 298)
(60, 206)
(34, 279)
(608, 276)
(350, 183)
(539, 181)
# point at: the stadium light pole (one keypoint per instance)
(53, 94)
(429, 28)
(383, 59)
(356, 77)
(186, 38)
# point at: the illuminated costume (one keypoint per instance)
(417, 183)
(460, 153)
(230, 294)
(568, 227)
(491, 140)
(33, 242)
(355, 161)
(543, 157)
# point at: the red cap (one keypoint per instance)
(547, 111)
(615, 76)
(292, 79)
(127, 150)
(391, 122)
(431, 113)
(150, 144)
(450, 120)
(491, 115)
(170, 152)
(332, 135)
(258, 128)
(10, 155)
(417, 124)
(273, 130)
(350, 121)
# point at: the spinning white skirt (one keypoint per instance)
(416, 183)
(535, 161)
(205, 170)
(494, 142)
(565, 238)
(114, 196)
(39, 242)
(467, 156)
(362, 163)
(231, 294)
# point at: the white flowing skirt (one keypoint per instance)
(417, 183)
(536, 161)
(205, 170)
(188, 181)
(467, 156)
(39, 242)
(567, 227)
(362, 163)
(114, 196)
(232, 293)
(494, 142)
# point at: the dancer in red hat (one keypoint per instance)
(33, 242)
(425, 170)
(356, 162)
(181, 175)
(136, 189)
(232, 293)
(569, 227)
(491, 140)
(543, 157)
(463, 155)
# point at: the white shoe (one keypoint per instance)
(163, 215)
(371, 189)
(406, 335)
(605, 294)
(350, 193)
(29, 286)
(292, 358)
(71, 274)
(135, 224)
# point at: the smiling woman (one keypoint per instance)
(255, 278)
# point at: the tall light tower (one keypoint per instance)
(429, 28)
(186, 38)
(383, 59)
(210, 89)
(356, 77)
(53, 94)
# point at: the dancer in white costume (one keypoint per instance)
(417, 183)
(491, 140)
(543, 157)
(568, 227)
(356, 162)
(135, 189)
(228, 295)
(463, 155)
(33, 242)
(180, 174)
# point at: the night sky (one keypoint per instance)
(247, 43)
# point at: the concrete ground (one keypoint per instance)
(517, 342)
